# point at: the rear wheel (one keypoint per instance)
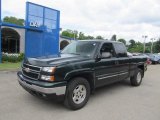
(77, 94)
(136, 80)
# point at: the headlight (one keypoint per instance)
(47, 78)
(49, 69)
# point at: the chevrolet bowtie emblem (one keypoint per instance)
(27, 70)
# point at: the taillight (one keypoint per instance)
(148, 61)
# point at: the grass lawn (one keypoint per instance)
(9, 66)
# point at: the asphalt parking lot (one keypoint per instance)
(119, 101)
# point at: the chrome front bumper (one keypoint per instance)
(55, 90)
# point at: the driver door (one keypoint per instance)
(106, 71)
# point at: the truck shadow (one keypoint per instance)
(125, 84)
(50, 104)
(46, 104)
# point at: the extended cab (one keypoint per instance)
(80, 68)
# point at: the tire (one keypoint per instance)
(77, 93)
(136, 80)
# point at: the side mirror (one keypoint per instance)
(106, 55)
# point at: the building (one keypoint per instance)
(13, 40)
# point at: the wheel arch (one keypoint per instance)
(88, 75)
(141, 67)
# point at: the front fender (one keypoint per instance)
(87, 73)
(73, 73)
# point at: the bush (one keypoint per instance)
(12, 57)
(21, 57)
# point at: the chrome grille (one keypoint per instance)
(30, 71)
(35, 68)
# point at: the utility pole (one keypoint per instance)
(144, 44)
(152, 39)
(74, 34)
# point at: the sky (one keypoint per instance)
(128, 19)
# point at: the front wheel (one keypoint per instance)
(77, 94)
(136, 80)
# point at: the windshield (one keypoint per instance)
(85, 48)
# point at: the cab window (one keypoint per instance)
(108, 47)
(120, 49)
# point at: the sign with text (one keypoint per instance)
(42, 37)
(34, 24)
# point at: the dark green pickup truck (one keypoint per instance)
(80, 68)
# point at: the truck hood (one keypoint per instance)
(62, 59)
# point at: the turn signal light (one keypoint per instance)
(47, 78)
(52, 78)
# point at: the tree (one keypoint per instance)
(114, 38)
(75, 34)
(157, 46)
(66, 33)
(70, 33)
(148, 44)
(136, 48)
(81, 36)
(122, 40)
(13, 20)
(99, 37)
(132, 43)
(89, 37)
